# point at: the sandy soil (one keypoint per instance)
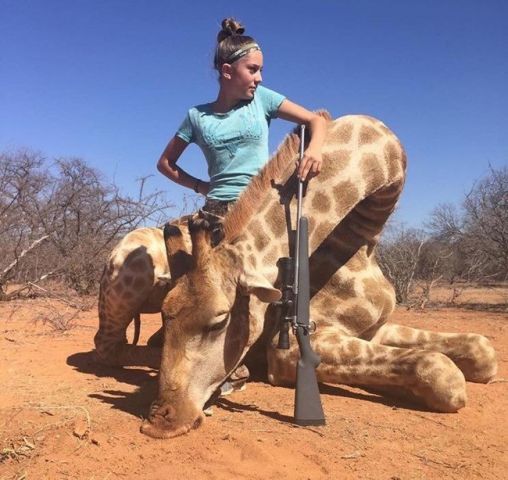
(64, 417)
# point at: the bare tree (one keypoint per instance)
(477, 233)
(398, 254)
(486, 222)
(61, 220)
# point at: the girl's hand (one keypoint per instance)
(310, 165)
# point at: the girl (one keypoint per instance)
(232, 131)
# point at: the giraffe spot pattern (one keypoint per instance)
(373, 173)
(321, 202)
(343, 133)
(331, 165)
(358, 319)
(368, 135)
(275, 220)
(345, 193)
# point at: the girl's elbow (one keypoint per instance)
(316, 120)
(161, 164)
(319, 119)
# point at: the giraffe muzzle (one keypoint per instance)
(165, 422)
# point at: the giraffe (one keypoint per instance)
(219, 310)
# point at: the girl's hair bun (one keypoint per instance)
(229, 40)
(230, 27)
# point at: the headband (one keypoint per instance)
(241, 52)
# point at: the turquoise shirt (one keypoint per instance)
(235, 143)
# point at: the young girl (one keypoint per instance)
(232, 131)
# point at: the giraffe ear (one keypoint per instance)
(257, 285)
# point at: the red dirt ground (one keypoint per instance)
(62, 417)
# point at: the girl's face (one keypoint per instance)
(245, 75)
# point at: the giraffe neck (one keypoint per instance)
(347, 204)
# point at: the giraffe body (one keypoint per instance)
(218, 307)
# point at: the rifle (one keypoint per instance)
(295, 310)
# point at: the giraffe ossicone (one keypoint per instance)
(216, 308)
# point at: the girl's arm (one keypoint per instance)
(312, 160)
(168, 167)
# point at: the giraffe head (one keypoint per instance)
(209, 324)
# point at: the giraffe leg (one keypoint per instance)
(115, 315)
(471, 352)
(429, 377)
(112, 349)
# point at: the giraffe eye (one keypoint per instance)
(219, 323)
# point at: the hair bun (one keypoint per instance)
(230, 27)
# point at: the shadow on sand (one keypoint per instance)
(374, 397)
(135, 402)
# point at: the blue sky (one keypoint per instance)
(110, 81)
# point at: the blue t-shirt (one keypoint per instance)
(234, 143)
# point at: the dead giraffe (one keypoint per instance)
(218, 308)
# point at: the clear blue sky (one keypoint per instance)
(110, 81)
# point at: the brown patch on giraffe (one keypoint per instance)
(368, 135)
(275, 220)
(358, 319)
(321, 202)
(261, 242)
(343, 133)
(342, 288)
(345, 194)
(373, 175)
(331, 166)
